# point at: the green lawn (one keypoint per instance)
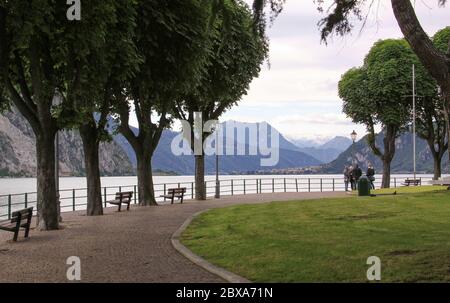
(329, 240)
(409, 189)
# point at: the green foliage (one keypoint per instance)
(380, 91)
(43, 52)
(442, 40)
(111, 63)
(352, 89)
(235, 55)
(170, 39)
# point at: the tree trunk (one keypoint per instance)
(146, 192)
(386, 181)
(436, 62)
(446, 95)
(92, 165)
(47, 206)
(389, 152)
(437, 167)
(200, 190)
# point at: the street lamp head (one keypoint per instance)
(57, 99)
(353, 135)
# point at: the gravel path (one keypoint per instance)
(129, 246)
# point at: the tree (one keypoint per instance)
(436, 59)
(170, 40)
(91, 101)
(235, 58)
(36, 40)
(431, 120)
(431, 126)
(378, 93)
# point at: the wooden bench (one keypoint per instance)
(20, 218)
(122, 198)
(414, 182)
(173, 193)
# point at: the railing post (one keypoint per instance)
(104, 195)
(321, 189)
(296, 184)
(333, 185)
(135, 192)
(273, 185)
(244, 187)
(164, 192)
(284, 184)
(26, 200)
(120, 189)
(309, 185)
(257, 187)
(73, 199)
(395, 182)
(180, 186)
(192, 190)
(232, 187)
(260, 186)
(9, 207)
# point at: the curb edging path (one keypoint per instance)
(199, 261)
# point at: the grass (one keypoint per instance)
(409, 189)
(329, 240)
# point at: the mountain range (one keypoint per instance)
(163, 158)
(326, 152)
(18, 151)
(17, 148)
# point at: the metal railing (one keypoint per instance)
(76, 199)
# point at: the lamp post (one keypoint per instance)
(353, 135)
(56, 102)
(217, 195)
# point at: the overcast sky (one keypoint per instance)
(298, 93)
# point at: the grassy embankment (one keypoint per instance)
(329, 240)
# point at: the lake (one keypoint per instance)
(23, 185)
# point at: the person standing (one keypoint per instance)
(371, 175)
(356, 174)
(350, 177)
(347, 176)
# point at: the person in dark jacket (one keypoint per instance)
(371, 175)
(356, 174)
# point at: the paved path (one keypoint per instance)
(129, 246)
